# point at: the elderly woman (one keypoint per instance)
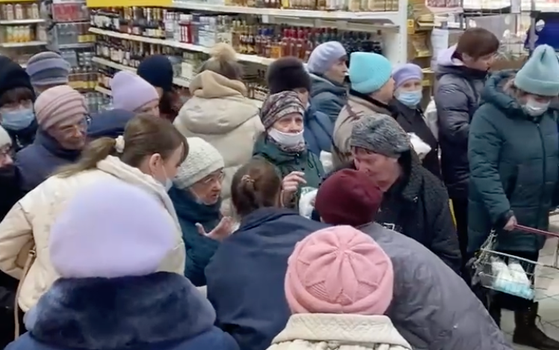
(407, 97)
(284, 146)
(196, 195)
(514, 160)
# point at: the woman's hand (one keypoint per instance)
(220, 232)
(290, 185)
(511, 224)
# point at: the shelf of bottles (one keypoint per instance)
(22, 31)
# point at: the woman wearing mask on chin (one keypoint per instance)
(196, 195)
(407, 97)
(147, 156)
(16, 104)
(514, 158)
(283, 145)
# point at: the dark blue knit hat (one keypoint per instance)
(109, 123)
(158, 71)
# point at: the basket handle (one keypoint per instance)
(535, 231)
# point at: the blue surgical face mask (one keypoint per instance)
(410, 98)
(18, 119)
(535, 108)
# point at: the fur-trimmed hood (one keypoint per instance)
(499, 91)
(121, 313)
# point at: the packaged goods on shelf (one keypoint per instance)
(313, 5)
(247, 34)
(19, 12)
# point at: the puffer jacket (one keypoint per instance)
(31, 218)
(327, 97)
(426, 289)
(358, 105)
(514, 168)
(220, 113)
(285, 163)
(40, 160)
(339, 332)
(318, 131)
(457, 93)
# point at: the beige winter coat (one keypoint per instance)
(342, 332)
(220, 113)
(31, 218)
(355, 108)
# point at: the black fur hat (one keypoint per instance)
(287, 73)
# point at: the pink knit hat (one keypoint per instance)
(339, 270)
(60, 104)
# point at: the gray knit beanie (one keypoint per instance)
(380, 134)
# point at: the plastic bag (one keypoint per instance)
(431, 118)
(327, 162)
(420, 147)
(306, 202)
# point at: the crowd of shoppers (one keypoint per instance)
(176, 224)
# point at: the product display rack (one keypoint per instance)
(22, 30)
(386, 27)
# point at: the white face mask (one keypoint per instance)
(535, 108)
(286, 139)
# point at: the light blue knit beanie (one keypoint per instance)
(324, 56)
(540, 74)
(368, 72)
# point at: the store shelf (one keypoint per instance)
(173, 43)
(21, 21)
(391, 16)
(26, 44)
(104, 62)
(75, 46)
(102, 90)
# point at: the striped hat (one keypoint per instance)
(277, 106)
(59, 104)
(48, 68)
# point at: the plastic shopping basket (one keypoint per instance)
(538, 275)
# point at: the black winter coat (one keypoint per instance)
(413, 121)
(10, 189)
(418, 207)
(456, 95)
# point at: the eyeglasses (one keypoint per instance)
(217, 177)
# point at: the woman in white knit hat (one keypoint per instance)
(196, 195)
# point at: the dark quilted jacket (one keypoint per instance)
(514, 160)
(417, 206)
(456, 95)
(425, 289)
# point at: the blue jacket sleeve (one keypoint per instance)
(328, 104)
(483, 152)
